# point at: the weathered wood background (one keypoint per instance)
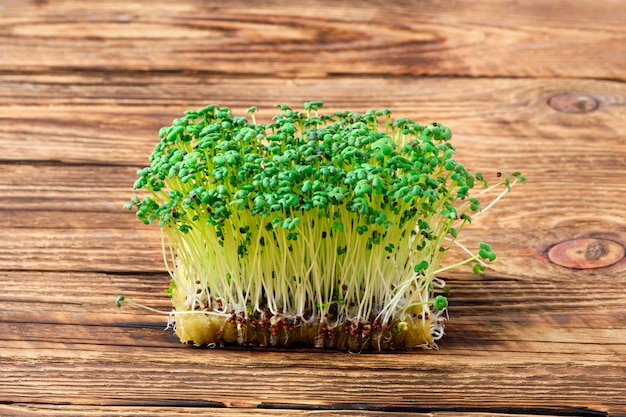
(536, 86)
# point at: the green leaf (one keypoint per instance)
(440, 302)
(521, 178)
(313, 105)
(175, 133)
(338, 226)
(486, 252)
(118, 300)
(421, 266)
(478, 269)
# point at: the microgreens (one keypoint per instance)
(333, 221)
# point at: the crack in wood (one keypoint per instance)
(540, 411)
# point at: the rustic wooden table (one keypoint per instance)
(535, 86)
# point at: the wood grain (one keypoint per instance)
(529, 86)
(277, 38)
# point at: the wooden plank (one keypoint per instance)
(115, 119)
(104, 189)
(87, 227)
(57, 187)
(80, 250)
(485, 39)
(307, 379)
(21, 410)
(120, 243)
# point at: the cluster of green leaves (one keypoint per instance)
(214, 163)
(354, 182)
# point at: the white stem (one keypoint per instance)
(469, 252)
(495, 200)
(473, 258)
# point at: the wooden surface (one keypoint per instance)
(533, 86)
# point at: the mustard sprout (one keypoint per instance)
(342, 217)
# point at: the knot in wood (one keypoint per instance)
(573, 103)
(586, 253)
